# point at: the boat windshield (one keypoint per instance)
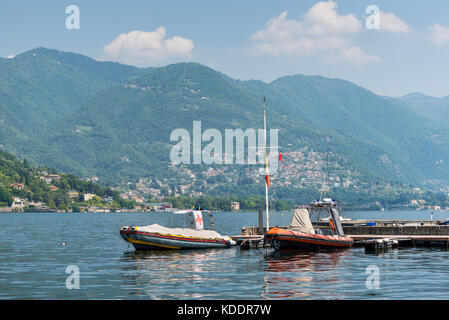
(192, 219)
(327, 209)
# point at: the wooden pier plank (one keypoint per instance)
(411, 237)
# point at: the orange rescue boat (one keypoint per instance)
(302, 235)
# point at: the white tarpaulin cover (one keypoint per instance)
(301, 221)
(184, 232)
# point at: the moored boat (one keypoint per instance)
(302, 235)
(157, 237)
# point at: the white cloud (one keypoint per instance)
(439, 34)
(390, 22)
(280, 29)
(321, 28)
(10, 56)
(323, 18)
(357, 56)
(151, 48)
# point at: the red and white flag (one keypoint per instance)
(198, 216)
(267, 180)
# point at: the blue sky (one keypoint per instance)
(252, 39)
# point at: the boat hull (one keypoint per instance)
(284, 239)
(154, 241)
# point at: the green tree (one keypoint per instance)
(5, 196)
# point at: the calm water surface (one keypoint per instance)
(33, 263)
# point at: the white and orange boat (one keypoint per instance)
(302, 235)
(157, 237)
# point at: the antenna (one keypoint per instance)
(328, 180)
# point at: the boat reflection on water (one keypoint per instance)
(299, 275)
(213, 273)
(162, 274)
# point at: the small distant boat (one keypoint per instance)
(341, 219)
(302, 235)
(177, 211)
(182, 211)
(157, 237)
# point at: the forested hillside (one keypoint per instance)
(45, 187)
(79, 115)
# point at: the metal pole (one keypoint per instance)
(266, 161)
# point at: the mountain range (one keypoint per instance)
(433, 108)
(79, 115)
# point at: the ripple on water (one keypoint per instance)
(33, 264)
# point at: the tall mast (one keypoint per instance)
(266, 161)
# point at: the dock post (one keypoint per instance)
(260, 221)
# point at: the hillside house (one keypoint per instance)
(72, 194)
(18, 203)
(46, 179)
(89, 196)
(235, 206)
(17, 186)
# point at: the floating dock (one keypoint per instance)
(404, 241)
(376, 245)
(393, 227)
(250, 241)
(404, 233)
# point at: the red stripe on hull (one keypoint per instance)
(291, 239)
(316, 242)
(177, 238)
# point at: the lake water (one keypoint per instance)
(33, 262)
